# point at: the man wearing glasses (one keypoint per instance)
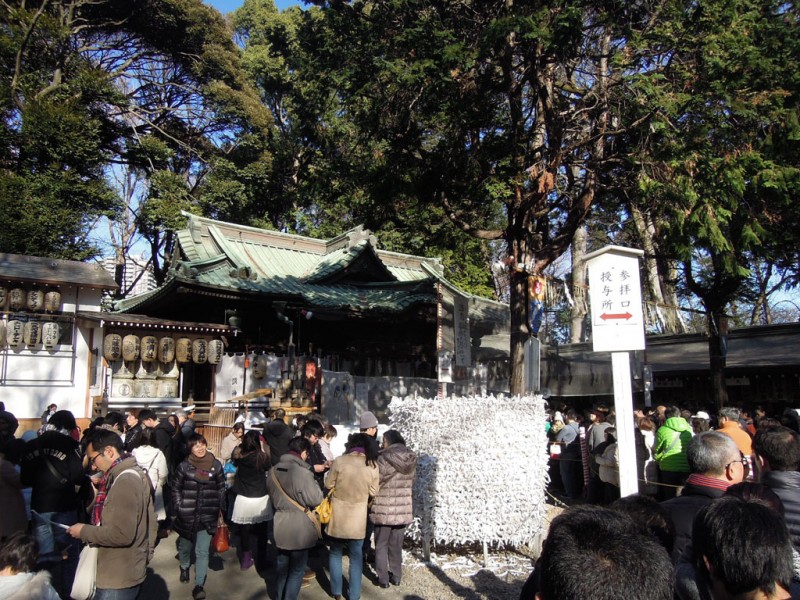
(124, 507)
(715, 464)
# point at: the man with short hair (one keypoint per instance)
(777, 452)
(728, 419)
(278, 435)
(593, 552)
(670, 452)
(715, 463)
(124, 508)
(186, 421)
(743, 549)
(52, 465)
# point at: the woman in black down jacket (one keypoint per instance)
(198, 495)
(392, 509)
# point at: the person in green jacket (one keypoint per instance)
(670, 452)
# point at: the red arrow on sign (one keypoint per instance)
(607, 316)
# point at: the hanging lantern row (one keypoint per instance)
(166, 349)
(17, 334)
(34, 299)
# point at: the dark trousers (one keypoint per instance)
(389, 552)
(672, 481)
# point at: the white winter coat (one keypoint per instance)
(153, 461)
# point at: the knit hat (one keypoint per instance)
(367, 420)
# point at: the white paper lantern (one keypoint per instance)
(149, 348)
(16, 299)
(35, 299)
(183, 350)
(52, 301)
(14, 333)
(215, 351)
(112, 347)
(131, 347)
(200, 351)
(32, 333)
(166, 349)
(51, 333)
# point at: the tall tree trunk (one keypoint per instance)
(666, 308)
(579, 287)
(717, 352)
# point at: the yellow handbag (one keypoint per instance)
(325, 508)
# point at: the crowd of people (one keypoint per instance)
(131, 480)
(717, 516)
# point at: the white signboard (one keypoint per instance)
(615, 296)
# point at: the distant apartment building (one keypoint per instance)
(138, 275)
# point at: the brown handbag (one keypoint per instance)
(221, 540)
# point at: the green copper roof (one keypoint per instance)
(345, 273)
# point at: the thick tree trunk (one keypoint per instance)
(519, 331)
(579, 287)
(717, 352)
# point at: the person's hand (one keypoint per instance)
(75, 530)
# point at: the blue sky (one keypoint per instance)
(226, 6)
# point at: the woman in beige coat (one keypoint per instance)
(354, 479)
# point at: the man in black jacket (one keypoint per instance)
(53, 466)
(715, 464)
(777, 450)
(278, 435)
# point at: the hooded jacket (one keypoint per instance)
(28, 586)
(354, 483)
(393, 504)
(278, 435)
(671, 441)
(293, 529)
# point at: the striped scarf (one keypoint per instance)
(102, 492)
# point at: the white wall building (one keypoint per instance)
(45, 349)
(138, 278)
